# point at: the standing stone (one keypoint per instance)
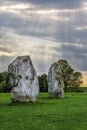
(55, 86)
(23, 80)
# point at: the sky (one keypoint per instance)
(47, 30)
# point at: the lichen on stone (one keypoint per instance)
(23, 80)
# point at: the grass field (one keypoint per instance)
(69, 113)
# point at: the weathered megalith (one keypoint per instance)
(23, 80)
(55, 83)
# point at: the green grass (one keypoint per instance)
(69, 113)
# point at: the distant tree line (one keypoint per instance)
(43, 83)
(72, 79)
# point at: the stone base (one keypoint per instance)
(56, 95)
(16, 98)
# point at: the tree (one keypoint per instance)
(66, 74)
(43, 84)
(76, 79)
(3, 82)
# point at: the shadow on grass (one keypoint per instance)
(54, 98)
(26, 104)
(22, 104)
(38, 104)
(44, 101)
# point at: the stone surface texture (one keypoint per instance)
(23, 80)
(55, 86)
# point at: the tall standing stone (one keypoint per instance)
(55, 86)
(23, 80)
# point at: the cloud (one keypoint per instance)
(55, 4)
(81, 28)
(14, 45)
(46, 22)
(77, 55)
(46, 30)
